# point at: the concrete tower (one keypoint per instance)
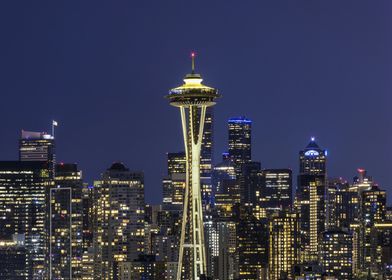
(192, 98)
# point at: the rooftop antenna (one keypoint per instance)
(193, 55)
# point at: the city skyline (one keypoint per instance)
(94, 81)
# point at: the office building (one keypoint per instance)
(23, 210)
(174, 181)
(336, 250)
(283, 245)
(38, 146)
(206, 157)
(66, 223)
(252, 244)
(276, 191)
(240, 140)
(226, 187)
(373, 210)
(250, 182)
(119, 219)
(311, 198)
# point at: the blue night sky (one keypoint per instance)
(296, 68)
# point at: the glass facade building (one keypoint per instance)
(23, 210)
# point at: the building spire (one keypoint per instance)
(193, 55)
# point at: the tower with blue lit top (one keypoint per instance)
(240, 132)
(192, 98)
(311, 198)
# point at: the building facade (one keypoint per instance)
(38, 146)
(311, 198)
(23, 210)
(66, 223)
(119, 219)
(336, 249)
(284, 247)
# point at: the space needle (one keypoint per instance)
(192, 98)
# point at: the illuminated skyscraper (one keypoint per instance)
(336, 254)
(226, 187)
(276, 191)
(340, 207)
(66, 223)
(283, 245)
(206, 160)
(373, 204)
(37, 146)
(311, 198)
(119, 219)
(252, 244)
(250, 181)
(174, 182)
(240, 140)
(362, 182)
(192, 98)
(373, 210)
(23, 210)
(226, 263)
(367, 205)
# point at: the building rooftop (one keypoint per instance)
(240, 119)
(118, 166)
(33, 135)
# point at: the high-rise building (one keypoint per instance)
(176, 163)
(283, 244)
(23, 210)
(252, 244)
(88, 217)
(373, 205)
(226, 188)
(361, 182)
(227, 264)
(373, 210)
(174, 182)
(37, 146)
(311, 198)
(165, 242)
(192, 98)
(336, 254)
(206, 157)
(383, 232)
(119, 219)
(276, 191)
(250, 182)
(240, 140)
(66, 223)
(341, 204)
